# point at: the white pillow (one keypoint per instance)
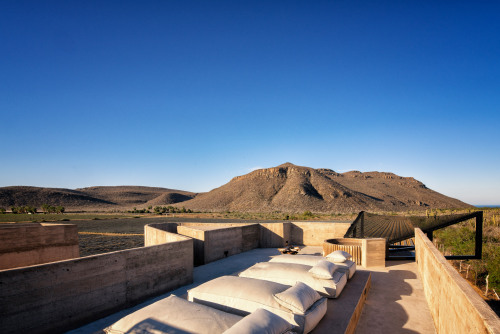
(339, 256)
(260, 321)
(323, 270)
(298, 298)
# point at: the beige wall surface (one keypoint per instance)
(198, 237)
(214, 244)
(373, 252)
(30, 244)
(275, 234)
(455, 306)
(62, 295)
(314, 233)
(222, 243)
(154, 234)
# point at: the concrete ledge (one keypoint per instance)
(455, 306)
(343, 313)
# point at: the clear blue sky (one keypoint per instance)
(188, 94)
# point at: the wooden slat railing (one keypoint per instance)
(353, 249)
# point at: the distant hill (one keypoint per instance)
(92, 198)
(291, 188)
(137, 195)
(285, 188)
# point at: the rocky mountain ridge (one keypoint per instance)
(285, 188)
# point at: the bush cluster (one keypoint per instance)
(52, 209)
(161, 209)
(171, 209)
(23, 209)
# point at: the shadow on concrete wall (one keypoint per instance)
(297, 235)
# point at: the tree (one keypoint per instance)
(30, 209)
(59, 209)
(45, 208)
(2, 210)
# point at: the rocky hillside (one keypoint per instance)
(286, 188)
(98, 198)
(291, 188)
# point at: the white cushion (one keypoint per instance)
(291, 273)
(297, 298)
(260, 322)
(339, 256)
(323, 270)
(240, 295)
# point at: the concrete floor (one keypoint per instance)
(395, 303)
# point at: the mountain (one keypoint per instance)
(286, 188)
(92, 198)
(291, 188)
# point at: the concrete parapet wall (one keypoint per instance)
(216, 242)
(275, 234)
(33, 243)
(222, 243)
(154, 234)
(455, 306)
(373, 252)
(314, 233)
(63, 295)
(198, 237)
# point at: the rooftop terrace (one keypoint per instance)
(421, 296)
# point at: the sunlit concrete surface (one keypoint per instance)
(396, 302)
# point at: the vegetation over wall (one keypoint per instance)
(459, 239)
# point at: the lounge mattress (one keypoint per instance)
(311, 260)
(290, 273)
(240, 295)
(174, 315)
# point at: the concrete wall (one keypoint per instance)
(373, 252)
(214, 243)
(198, 237)
(30, 244)
(455, 306)
(154, 234)
(365, 252)
(314, 233)
(275, 234)
(63, 295)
